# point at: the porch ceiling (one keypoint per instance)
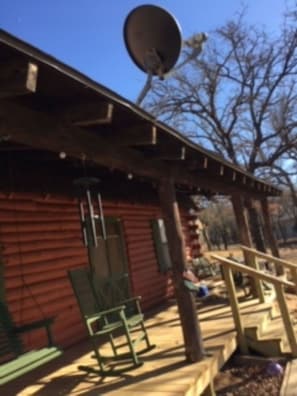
(46, 105)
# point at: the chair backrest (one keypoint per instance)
(112, 290)
(10, 343)
(95, 294)
(84, 291)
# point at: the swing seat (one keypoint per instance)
(14, 361)
(107, 323)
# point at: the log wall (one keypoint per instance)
(40, 240)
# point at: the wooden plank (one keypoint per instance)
(18, 78)
(142, 135)
(87, 114)
(164, 372)
(235, 310)
(287, 319)
(289, 384)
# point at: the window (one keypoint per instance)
(161, 245)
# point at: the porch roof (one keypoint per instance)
(47, 105)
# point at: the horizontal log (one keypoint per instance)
(42, 257)
(42, 227)
(38, 236)
(32, 246)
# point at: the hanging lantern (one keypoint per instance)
(89, 218)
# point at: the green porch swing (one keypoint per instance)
(14, 360)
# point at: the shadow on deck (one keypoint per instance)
(165, 371)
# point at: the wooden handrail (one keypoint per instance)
(253, 272)
(275, 260)
(228, 266)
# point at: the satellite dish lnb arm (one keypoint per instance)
(145, 89)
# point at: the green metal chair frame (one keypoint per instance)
(104, 320)
(14, 361)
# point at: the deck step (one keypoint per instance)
(272, 347)
(256, 323)
(269, 337)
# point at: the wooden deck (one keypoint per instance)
(164, 373)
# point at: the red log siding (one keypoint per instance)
(40, 239)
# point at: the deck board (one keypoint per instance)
(164, 372)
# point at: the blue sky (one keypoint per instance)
(87, 34)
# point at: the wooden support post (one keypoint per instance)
(269, 234)
(255, 224)
(294, 277)
(185, 301)
(286, 319)
(235, 310)
(246, 239)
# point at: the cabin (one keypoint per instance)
(58, 126)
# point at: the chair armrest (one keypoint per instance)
(44, 323)
(33, 325)
(134, 303)
(90, 319)
(128, 300)
(99, 315)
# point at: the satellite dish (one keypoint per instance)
(153, 39)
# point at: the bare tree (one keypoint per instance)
(239, 98)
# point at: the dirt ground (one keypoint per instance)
(254, 375)
(250, 376)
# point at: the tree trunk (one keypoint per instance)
(268, 232)
(190, 323)
(256, 226)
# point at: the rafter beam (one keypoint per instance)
(18, 78)
(48, 132)
(88, 114)
(199, 164)
(172, 154)
(142, 135)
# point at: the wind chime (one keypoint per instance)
(88, 193)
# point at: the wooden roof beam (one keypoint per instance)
(142, 135)
(88, 114)
(17, 78)
(48, 132)
(172, 154)
(197, 164)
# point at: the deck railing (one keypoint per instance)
(228, 267)
(278, 261)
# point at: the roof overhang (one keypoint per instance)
(47, 105)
